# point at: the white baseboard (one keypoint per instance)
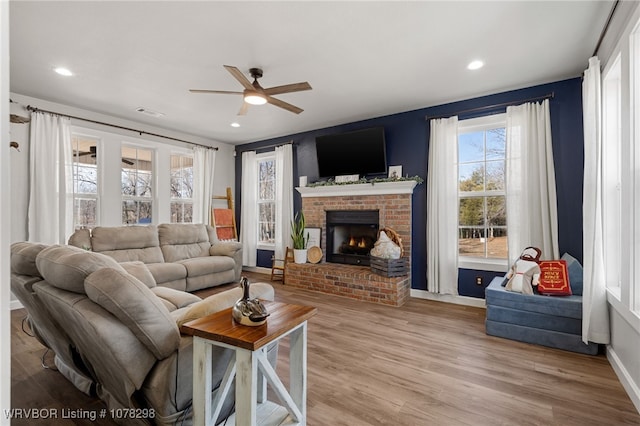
(15, 304)
(625, 378)
(448, 298)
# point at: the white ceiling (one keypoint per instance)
(363, 59)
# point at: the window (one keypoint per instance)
(266, 201)
(137, 178)
(181, 188)
(611, 177)
(85, 181)
(482, 220)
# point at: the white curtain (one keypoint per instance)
(284, 199)
(595, 316)
(532, 218)
(204, 162)
(249, 215)
(51, 179)
(442, 207)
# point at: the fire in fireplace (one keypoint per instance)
(351, 235)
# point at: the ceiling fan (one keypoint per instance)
(254, 94)
(93, 151)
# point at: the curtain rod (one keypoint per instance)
(275, 145)
(140, 132)
(606, 27)
(489, 107)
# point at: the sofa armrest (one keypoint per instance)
(227, 248)
(231, 249)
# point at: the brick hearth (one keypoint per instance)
(393, 201)
(356, 282)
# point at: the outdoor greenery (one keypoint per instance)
(372, 181)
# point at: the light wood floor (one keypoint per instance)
(426, 363)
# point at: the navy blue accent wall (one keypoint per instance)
(407, 137)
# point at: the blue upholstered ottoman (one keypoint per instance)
(554, 321)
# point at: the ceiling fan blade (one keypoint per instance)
(284, 105)
(224, 92)
(243, 109)
(129, 162)
(240, 77)
(288, 88)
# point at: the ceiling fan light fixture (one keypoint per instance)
(255, 98)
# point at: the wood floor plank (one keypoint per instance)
(426, 363)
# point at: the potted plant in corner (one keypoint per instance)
(299, 238)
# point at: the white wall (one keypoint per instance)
(5, 216)
(110, 139)
(624, 351)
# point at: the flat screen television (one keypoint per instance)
(361, 152)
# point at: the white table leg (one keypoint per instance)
(201, 382)
(298, 370)
(262, 383)
(246, 387)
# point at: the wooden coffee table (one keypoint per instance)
(250, 366)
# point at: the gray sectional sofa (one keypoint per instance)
(115, 331)
(554, 321)
(184, 257)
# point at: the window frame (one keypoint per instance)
(181, 200)
(472, 125)
(260, 158)
(90, 196)
(152, 182)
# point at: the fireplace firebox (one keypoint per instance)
(351, 235)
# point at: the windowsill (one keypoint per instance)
(271, 247)
(479, 264)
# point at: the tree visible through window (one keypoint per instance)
(482, 219)
(137, 174)
(85, 182)
(181, 189)
(266, 200)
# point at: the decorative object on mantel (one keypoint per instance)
(247, 311)
(314, 254)
(299, 238)
(373, 181)
(395, 172)
(385, 248)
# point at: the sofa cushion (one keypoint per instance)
(81, 238)
(183, 241)
(66, 267)
(140, 271)
(220, 301)
(128, 243)
(178, 299)
(574, 269)
(23, 258)
(135, 305)
(569, 306)
(168, 274)
(199, 266)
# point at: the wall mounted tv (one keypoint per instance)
(361, 152)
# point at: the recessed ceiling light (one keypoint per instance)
(234, 124)
(475, 65)
(63, 71)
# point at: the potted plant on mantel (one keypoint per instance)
(300, 240)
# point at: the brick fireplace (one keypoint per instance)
(393, 202)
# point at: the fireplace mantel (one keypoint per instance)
(379, 188)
